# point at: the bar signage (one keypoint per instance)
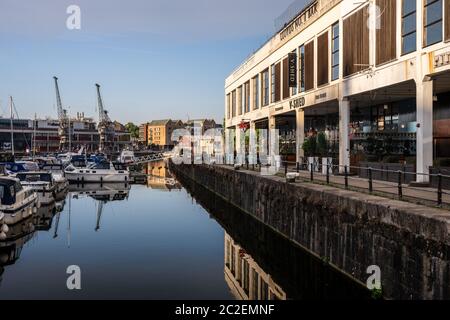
(292, 70)
(297, 103)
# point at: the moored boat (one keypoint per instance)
(102, 172)
(42, 183)
(17, 202)
(126, 157)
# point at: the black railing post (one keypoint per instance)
(328, 173)
(346, 176)
(400, 189)
(285, 167)
(439, 189)
(297, 166)
(370, 180)
(312, 171)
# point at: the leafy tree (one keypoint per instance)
(132, 129)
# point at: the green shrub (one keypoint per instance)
(322, 145)
(444, 162)
(391, 159)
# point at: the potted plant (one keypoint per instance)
(310, 149)
(322, 149)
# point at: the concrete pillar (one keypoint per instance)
(240, 145)
(273, 143)
(300, 133)
(252, 148)
(344, 134)
(271, 122)
(424, 144)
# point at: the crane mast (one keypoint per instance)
(62, 118)
(105, 126)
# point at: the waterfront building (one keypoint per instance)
(159, 132)
(372, 76)
(245, 278)
(41, 135)
(143, 133)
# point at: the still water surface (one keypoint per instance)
(159, 240)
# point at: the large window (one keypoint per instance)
(432, 22)
(228, 106)
(272, 82)
(355, 50)
(266, 84)
(239, 100)
(233, 104)
(255, 92)
(247, 96)
(309, 66)
(323, 59)
(335, 51)
(409, 25)
(301, 68)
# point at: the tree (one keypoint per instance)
(132, 129)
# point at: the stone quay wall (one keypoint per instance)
(349, 230)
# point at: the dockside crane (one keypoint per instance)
(63, 130)
(105, 126)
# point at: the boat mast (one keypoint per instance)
(34, 136)
(11, 122)
(68, 223)
(70, 135)
(99, 214)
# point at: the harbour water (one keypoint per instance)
(163, 239)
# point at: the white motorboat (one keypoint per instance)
(60, 180)
(3, 227)
(42, 183)
(126, 157)
(17, 202)
(102, 172)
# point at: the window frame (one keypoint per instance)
(335, 51)
(404, 35)
(426, 24)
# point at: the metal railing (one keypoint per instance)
(344, 176)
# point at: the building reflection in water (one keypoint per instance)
(245, 278)
(159, 177)
(262, 264)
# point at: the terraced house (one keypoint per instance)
(373, 76)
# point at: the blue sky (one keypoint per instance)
(153, 58)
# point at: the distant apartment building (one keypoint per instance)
(159, 132)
